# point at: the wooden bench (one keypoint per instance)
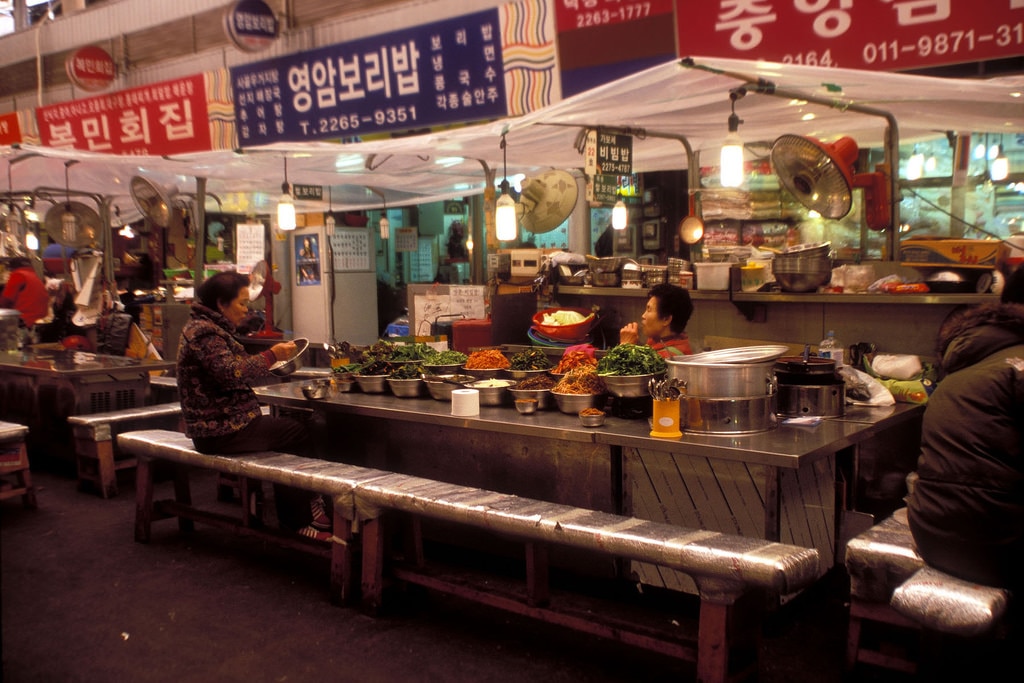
(890, 584)
(14, 463)
(732, 573)
(94, 435)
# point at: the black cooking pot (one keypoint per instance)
(812, 371)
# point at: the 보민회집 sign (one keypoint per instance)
(91, 68)
(161, 118)
(446, 72)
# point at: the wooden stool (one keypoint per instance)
(14, 462)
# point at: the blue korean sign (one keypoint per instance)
(447, 72)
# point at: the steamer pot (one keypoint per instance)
(728, 373)
(702, 415)
(809, 400)
(812, 371)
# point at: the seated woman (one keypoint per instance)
(221, 412)
(664, 320)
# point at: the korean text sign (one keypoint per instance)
(162, 118)
(884, 35)
(446, 72)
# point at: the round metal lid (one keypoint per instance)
(743, 354)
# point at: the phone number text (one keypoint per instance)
(387, 116)
(601, 17)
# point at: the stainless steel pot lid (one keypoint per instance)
(743, 354)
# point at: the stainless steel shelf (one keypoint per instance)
(796, 298)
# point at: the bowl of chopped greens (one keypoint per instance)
(565, 324)
(528, 363)
(627, 369)
(444, 362)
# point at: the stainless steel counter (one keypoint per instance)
(779, 484)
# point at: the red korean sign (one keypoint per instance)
(162, 118)
(91, 68)
(883, 35)
(10, 129)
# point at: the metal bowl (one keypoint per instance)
(441, 390)
(344, 384)
(572, 404)
(526, 406)
(283, 368)
(591, 420)
(406, 388)
(316, 389)
(541, 396)
(372, 384)
(802, 282)
(630, 386)
(447, 369)
(483, 373)
(493, 395)
(520, 375)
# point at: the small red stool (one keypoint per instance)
(14, 464)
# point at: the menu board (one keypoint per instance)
(251, 245)
(351, 250)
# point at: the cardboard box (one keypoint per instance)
(950, 253)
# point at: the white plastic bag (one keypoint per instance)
(864, 390)
(896, 365)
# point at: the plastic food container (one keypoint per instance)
(713, 276)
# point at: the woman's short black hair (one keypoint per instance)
(673, 301)
(222, 288)
(1013, 288)
(18, 262)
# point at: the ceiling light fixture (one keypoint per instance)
(619, 215)
(1000, 166)
(68, 220)
(731, 173)
(505, 207)
(286, 205)
(385, 224)
(915, 165)
(329, 221)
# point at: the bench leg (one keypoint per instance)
(251, 491)
(143, 499)
(729, 639)
(372, 536)
(343, 560)
(183, 496)
(538, 593)
(90, 454)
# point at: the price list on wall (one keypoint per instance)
(351, 247)
(251, 246)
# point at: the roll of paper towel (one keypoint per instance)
(465, 402)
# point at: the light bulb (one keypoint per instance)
(329, 222)
(31, 241)
(385, 227)
(505, 218)
(915, 166)
(286, 212)
(127, 232)
(1000, 166)
(731, 174)
(619, 215)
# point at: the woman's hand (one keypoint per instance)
(629, 334)
(283, 351)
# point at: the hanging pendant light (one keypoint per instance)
(731, 173)
(619, 215)
(329, 221)
(915, 165)
(1000, 166)
(385, 224)
(505, 207)
(286, 205)
(68, 220)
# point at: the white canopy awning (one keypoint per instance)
(688, 98)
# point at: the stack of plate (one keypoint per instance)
(679, 273)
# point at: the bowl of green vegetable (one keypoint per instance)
(628, 369)
(444, 362)
(528, 363)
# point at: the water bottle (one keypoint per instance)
(832, 349)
